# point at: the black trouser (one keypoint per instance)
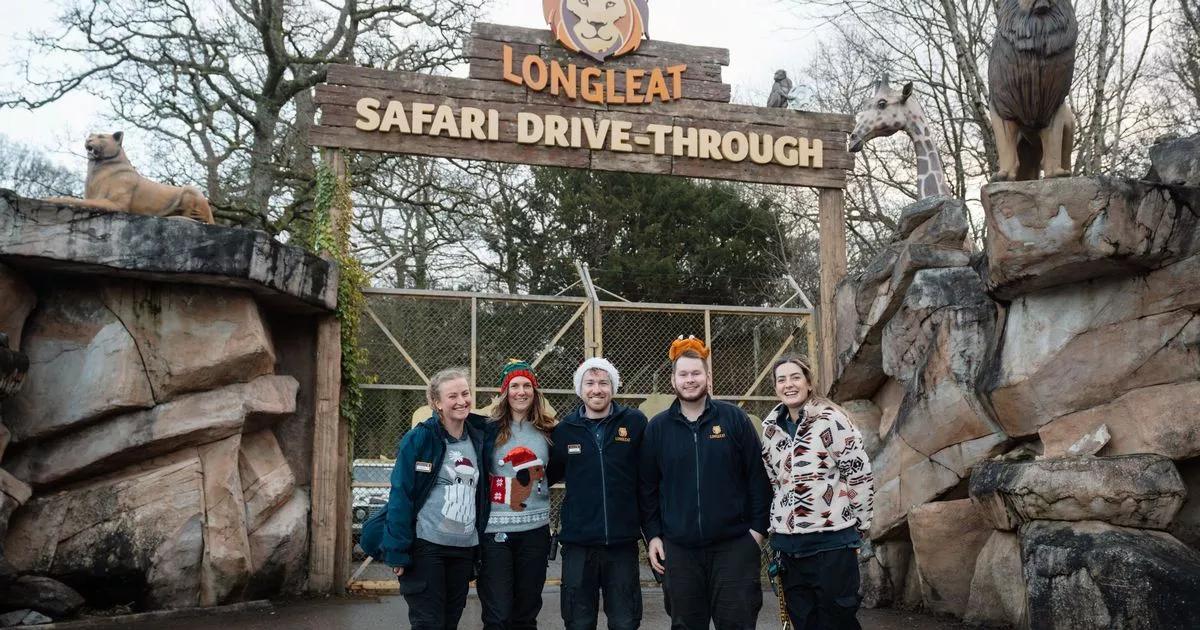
(720, 582)
(822, 590)
(589, 570)
(435, 585)
(511, 579)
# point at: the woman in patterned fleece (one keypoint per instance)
(821, 478)
(516, 541)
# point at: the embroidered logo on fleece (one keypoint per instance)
(622, 434)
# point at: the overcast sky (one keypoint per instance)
(762, 35)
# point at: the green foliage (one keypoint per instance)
(332, 238)
(648, 237)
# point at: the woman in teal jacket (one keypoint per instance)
(438, 507)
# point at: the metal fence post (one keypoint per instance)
(474, 349)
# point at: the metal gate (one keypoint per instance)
(411, 334)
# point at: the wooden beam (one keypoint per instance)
(326, 457)
(474, 345)
(329, 514)
(832, 225)
(345, 499)
(396, 343)
(549, 347)
(708, 342)
(347, 84)
(767, 368)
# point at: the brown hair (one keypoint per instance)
(502, 416)
(802, 363)
(690, 354)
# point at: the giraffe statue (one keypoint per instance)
(890, 110)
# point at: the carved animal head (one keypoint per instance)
(1042, 7)
(1048, 26)
(103, 146)
(598, 28)
(887, 111)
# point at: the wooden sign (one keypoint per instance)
(662, 109)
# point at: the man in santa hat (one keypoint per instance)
(595, 449)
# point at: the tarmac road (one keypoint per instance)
(390, 613)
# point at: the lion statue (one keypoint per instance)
(1029, 75)
(598, 28)
(113, 184)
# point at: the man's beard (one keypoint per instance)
(697, 396)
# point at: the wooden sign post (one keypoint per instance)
(545, 97)
(661, 108)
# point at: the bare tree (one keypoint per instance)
(943, 46)
(1177, 76)
(1116, 108)
(417, 219)
(31, 174)
(224, 86)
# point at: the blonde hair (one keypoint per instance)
(433, 394)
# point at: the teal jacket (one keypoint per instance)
(389, 534)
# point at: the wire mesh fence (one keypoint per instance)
(409, 335)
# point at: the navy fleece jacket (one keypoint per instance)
(702, 483)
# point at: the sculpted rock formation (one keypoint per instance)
(18, 301)
(1050, 233)
(267, 481)
(1083, 345)
(1176, 161)
(192, 338)
(1069, 571)
(278, 548)
(867, 301)
(145, 468)
(84, 365)
(191, 420)
(144, 525)
(60, 238)
(1131, 490)
(1058, 372)
(998, 586)
(947, 538)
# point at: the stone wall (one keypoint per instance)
(158, 450)
(1032, 409)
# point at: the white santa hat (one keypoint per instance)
(596, 363)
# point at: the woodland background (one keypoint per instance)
(223, 91)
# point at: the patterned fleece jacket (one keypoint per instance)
(821, 478)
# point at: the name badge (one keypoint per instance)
(574, 449)
(424, 467)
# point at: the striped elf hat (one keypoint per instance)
(513, 369)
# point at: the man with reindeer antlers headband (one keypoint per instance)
(705, 498)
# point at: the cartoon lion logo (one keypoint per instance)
(598, 28)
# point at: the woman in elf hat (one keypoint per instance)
(516, 541)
